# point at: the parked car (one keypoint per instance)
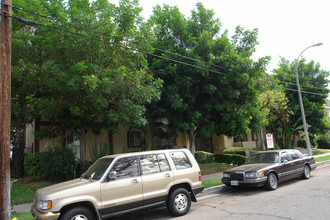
(124, 183)
(269, 168)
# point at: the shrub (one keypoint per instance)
(239, 150)
(301, 143)
(323, 141)
(32, 166)
(57, 163)
(96, 152)
(230, 158)
(204, 157)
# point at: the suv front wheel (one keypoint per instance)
(78, 213)
(179, 202)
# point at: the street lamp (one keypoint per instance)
(301, 102)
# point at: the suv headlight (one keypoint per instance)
(44, 205)
(253, 175)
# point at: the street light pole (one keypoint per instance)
(301, 101)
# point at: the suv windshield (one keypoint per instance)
(97, 170)
(271, 157)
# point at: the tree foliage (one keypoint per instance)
(314, 89)
(217, 97)
(77, 82)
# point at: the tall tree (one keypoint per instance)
(314, 89)
(208, 88)
(78, 82)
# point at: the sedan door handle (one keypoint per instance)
(134, 181)
(167, 175)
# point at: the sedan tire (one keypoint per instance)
(272, 181)
(306, 173)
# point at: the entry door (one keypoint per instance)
(125, 192)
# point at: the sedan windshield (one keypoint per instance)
(97, 170)
(266, 157)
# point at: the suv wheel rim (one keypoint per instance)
(79, 217)
(181, 202)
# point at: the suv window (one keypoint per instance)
(154, 163)
(126, 167)
(180, 160)
(163, 163)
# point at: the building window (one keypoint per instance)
(134, 139)
(73, 141)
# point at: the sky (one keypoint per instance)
(286, 27)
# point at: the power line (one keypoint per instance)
(158, 56)
(33, 23)
(28, 22)
(79, 26)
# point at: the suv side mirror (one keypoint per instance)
(113, 175)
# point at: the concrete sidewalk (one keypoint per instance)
(27, 207)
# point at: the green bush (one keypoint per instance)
(323, 141)
(32, 166)
(57, 163)
(239, 150)
(301, 143)
(204, 157)
(230, 158)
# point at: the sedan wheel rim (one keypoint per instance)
(180, 202)
(273, 181)
(307, 172)
(79, 217)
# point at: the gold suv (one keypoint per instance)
(124, 183)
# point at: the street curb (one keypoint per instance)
(207, 191)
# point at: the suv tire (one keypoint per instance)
(179, 202)
(81, 213)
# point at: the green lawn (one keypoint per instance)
(22, 216)
(320, 151)
(23, 190)
(210, 183)
(324, 158)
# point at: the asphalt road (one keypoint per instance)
(296, 199)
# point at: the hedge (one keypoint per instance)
(204, 157)
(230, 158)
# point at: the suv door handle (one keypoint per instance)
(167, 175)
(134, 181)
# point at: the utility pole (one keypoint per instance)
(5, 94)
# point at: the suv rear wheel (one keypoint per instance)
(179, 202)
(78, 213)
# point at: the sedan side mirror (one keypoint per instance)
(284, 161)
(113, 175)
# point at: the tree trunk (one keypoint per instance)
(17, 163)
(262, 140)
(83, 144)
(192, 137)
(148, 136)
